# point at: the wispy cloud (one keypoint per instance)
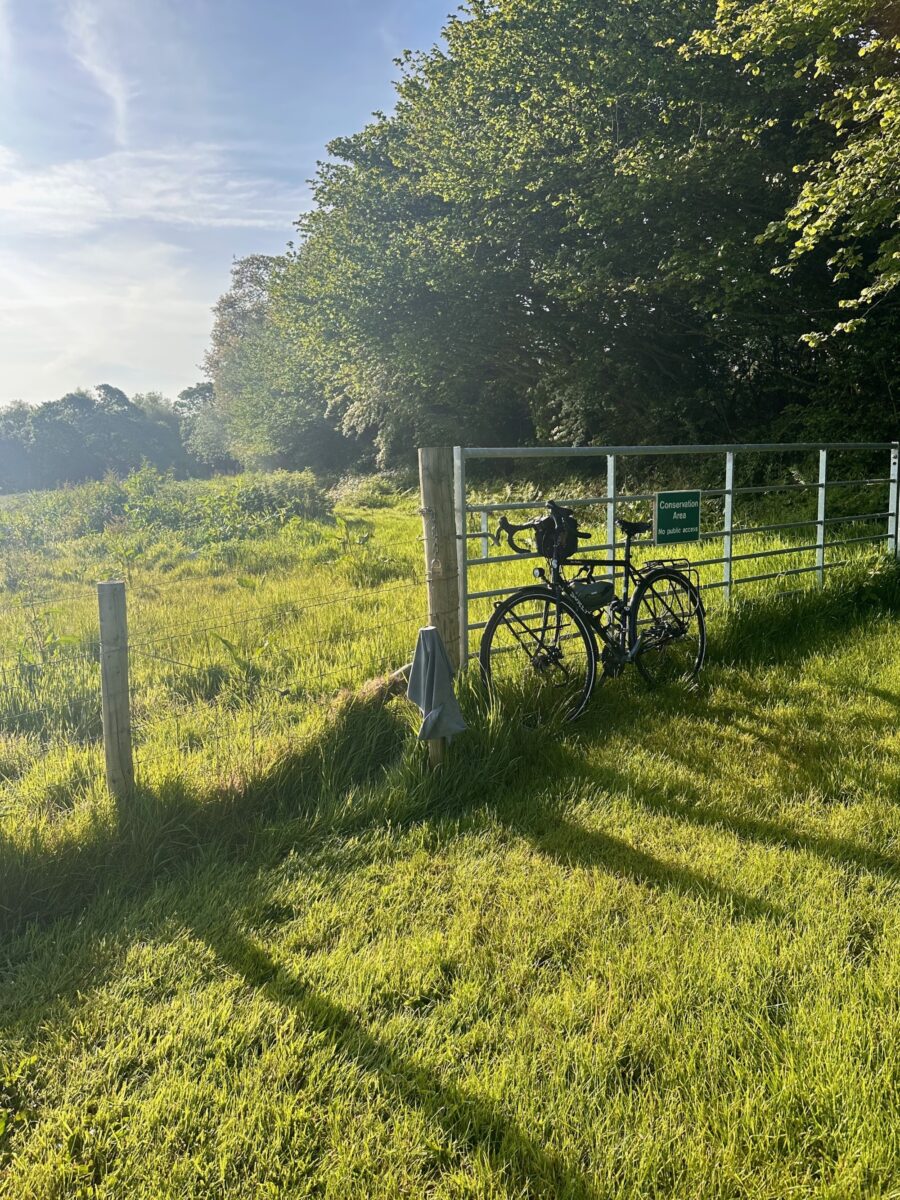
(143, 149)
(83, 21)
(107, 266)
(183, 186)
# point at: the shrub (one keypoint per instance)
(149, 500)
(373, 491)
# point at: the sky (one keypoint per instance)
(145, 144)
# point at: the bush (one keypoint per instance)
(149, 500)
(374, 491)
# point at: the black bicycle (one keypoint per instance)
(541, 643)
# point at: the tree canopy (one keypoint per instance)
(634, 221)
(849, 198)
(87, 435)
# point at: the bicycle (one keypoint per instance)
(543, 639)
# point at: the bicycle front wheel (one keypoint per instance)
(538, 654)
(667, 623)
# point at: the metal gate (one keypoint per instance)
(885, 513)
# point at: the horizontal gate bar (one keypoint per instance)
(861, 518)
(711, 562)
(709, 587)
(854, 482)
(521, 505)
(707, 562)
(501, 558)
(776, 574)
(626, 498)
(601, 451)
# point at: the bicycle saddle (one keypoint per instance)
(633, 528)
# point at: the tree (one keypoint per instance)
(87, 435)
(202, 428)
(564, 230)
(849, 195)
(270, 406)
(552, 235)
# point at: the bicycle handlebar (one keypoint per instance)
(504, 526)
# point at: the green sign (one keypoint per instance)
(676, 518)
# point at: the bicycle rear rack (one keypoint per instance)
(684, 565)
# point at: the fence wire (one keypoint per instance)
(50, 733)
(226, 706)
(216, 694)
(218, 690)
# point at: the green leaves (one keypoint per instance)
(586, 222)
(849, 202)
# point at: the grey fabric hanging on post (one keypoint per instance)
(431, 688)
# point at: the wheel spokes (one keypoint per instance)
(668, 628)
(539, 658)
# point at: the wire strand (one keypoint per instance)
(284, 609)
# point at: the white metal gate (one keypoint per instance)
(728, 534)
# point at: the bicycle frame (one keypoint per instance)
(617, 607)
(628, 571)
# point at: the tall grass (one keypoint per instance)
(655, 955)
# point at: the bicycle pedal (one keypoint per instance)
(613, 661)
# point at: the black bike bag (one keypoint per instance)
(559, 543)
(594, 594)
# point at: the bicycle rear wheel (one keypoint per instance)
(538, 654)
(666, 615)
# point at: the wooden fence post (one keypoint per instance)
(441, 563)
(441, 560)
(114, 691)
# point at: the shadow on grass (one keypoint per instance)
(794, 736)
(771, 630)
(125, 851)
(686, 803)
(468, 1122)
(322, 786)
(573, 845)
(171, 829)
(321, 789)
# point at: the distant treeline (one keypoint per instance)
(631, 221)
(637, 221)
(92, 434)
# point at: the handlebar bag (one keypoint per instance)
(556, 543)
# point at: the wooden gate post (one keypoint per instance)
(441, 562)
(114, 692)
(441, 559)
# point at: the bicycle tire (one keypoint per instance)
(664, 601)
(538, 678)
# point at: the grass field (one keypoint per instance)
(654, 957)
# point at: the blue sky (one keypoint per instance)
(146, 143)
